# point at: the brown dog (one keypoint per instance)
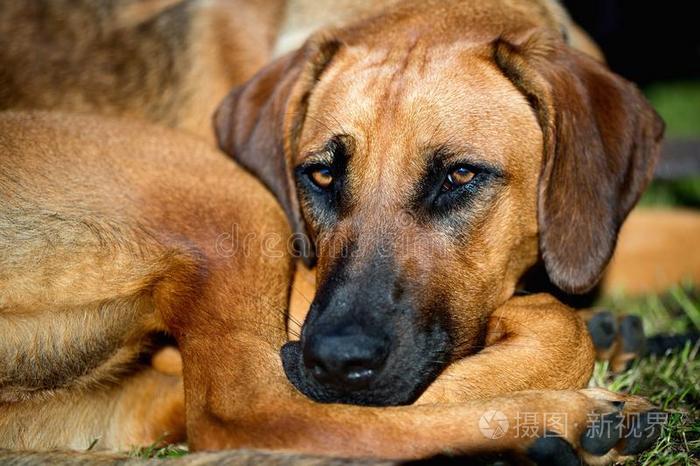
(416, 181)
(134, 246)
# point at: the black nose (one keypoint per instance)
(348, 361)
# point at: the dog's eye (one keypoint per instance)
(321, 176)
(458, 177)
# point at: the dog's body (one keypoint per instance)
(165, 61)
(149, 239)
(111, 265)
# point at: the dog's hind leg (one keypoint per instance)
(76, 316)
(618, 339)
(78, 268)
(144, 408)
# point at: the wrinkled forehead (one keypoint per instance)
(399, 101)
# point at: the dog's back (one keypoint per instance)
(165, 61)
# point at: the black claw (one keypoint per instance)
(660, 344)
(553, 451)
(602, 328)
(643, 432)
(618, 405)
(632, 332)
(602, 434)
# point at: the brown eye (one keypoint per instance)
(321, 177)
(458, 177)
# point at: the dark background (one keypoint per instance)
(645, 41)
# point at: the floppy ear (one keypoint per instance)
(601, 142)
(259, 123)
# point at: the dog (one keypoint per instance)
(91, 272)
(498, 141)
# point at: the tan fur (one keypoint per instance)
(97, 270)
(385, 151)
(239, 397)
(304, 17)
(166, 61)
(167, 360)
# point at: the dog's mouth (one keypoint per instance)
(401, 381)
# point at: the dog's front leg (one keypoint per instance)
(238, 396)
(243, 400)
(533, 342)
(231, 326)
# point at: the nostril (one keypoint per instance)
(313, 360)
(346, 361)
(318, 370)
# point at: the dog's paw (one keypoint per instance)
(617, 339)
(611, 427)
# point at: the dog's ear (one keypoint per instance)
(601, 142)
(259, 123)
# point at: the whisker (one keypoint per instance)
(265, 324)
(320, 123)
(435, 131)
(338, 123)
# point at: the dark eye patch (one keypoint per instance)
(431, 197)
(324, 201)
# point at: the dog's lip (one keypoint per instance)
(291, 354)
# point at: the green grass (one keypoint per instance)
(671, 382)
(678, 103)
(684, 192)
(158, 451)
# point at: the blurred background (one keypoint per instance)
(657, 45)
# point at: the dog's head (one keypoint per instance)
(425, 177)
